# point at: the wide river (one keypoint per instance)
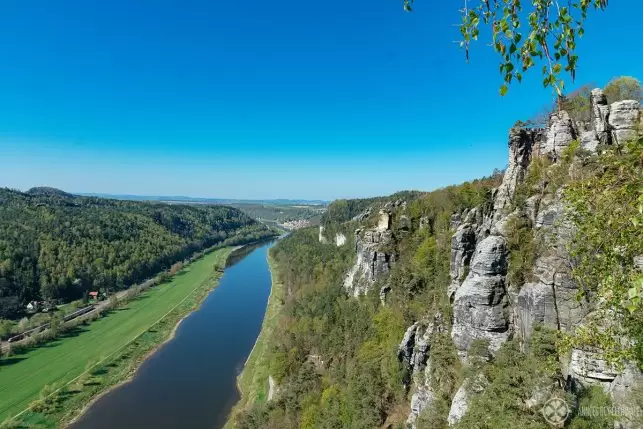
(190, 382)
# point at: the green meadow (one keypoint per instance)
(50, 384)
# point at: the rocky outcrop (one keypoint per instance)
(600, 111)
(481, 305)
(463, 243)
(273, 388)
(374, 259)
(414, 354)
(521, 143)
(560, 133)
(485, 306)
(373, 262)
(459, 406)
(340, 239)
(624, 120)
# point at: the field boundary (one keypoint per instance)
(102, 360)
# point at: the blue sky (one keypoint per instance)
(257, 99)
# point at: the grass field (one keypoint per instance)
(253, 380)
(102, 353)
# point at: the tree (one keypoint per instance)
(521, 34)
(623, 88)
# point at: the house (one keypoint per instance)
(93, 295)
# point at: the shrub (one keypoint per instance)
(623, 88)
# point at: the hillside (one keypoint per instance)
(473, 306)
(57, 246)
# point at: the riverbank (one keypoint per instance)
(252, 383)
(50, 386)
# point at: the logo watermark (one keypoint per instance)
(557, 410)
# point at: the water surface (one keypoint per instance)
(191, 381)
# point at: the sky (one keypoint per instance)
(263, 99)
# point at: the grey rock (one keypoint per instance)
(589, 141)
(340, 239)
(405, 349)
(365, 214)
(590, 368)
(459, 406)
(600, 111)
(521, 144)
(372, 263)
(273, 388)
(531, 207)
(560, 133)
(419, 401)
(638, 262)
(624, 120)
(463, 244)
(383, 292)
(490, 257)
(535, 304)
(625, 389)
(424, 222)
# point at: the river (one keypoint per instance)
(190, 382)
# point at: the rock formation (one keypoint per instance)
(485, 305)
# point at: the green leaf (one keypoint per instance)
(503, 90)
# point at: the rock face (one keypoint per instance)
(560, 134)
(463, 244)
(600, 111)
(485, 305)
(481, 304)
(340, 239)
(414, 354)
(459, 406)
(521, 143)
(374, 260)
(624, 120)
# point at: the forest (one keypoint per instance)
(333, 356)
(56, 246)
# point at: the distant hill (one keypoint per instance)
(47, 191)
(201, 200)
(54, 245)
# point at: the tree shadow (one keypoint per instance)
(11, 360)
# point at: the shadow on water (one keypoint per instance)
(238, 255)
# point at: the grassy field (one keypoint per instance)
(58, 379)
(253, 380)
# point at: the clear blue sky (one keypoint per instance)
(264, 99)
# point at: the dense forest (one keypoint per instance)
(57, 246)
(544, 259)
(359, 383)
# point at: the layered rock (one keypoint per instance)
(374, 257)
(560, 133)
(600, 111)
(463, 243)
(414, 354)
(624, 120)
(521, 143)
(481, 305)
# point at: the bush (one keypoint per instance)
(623, 88)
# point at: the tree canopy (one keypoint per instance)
(57, 246)
(525, 32)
